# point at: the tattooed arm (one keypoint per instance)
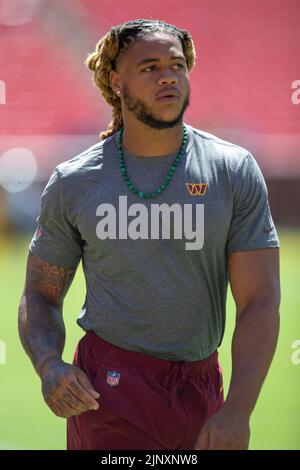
(41, 326)
(66, 389)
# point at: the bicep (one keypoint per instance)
(49, 280)
(254, 276)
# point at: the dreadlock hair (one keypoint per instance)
(115, 42)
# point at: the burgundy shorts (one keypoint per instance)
(145, 402)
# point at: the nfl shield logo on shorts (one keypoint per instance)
(113, 377)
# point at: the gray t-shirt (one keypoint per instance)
(156, 269)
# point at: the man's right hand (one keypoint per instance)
(67, 390)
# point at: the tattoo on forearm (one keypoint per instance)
(49, 280)
(41, 326)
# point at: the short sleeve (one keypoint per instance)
(55, 239)
(252, 226)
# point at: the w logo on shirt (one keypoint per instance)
(196, 189)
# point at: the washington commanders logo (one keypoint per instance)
(196, 189)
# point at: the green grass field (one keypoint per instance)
(27, 423)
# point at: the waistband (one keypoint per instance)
(146, 361)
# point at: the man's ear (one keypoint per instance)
(115, 82)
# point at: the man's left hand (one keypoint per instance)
(226, 430)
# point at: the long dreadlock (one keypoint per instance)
(116, 41)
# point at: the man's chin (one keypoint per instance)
(162, 122)
(161, 125)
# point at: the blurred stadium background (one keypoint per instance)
(245, 88)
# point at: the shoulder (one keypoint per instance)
(86, 162)
(217, 150)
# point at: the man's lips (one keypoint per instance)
(168, 95)
(168, 98)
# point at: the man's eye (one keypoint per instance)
(149, 69)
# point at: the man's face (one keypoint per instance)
(153, 79)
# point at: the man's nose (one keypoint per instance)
(167, 78)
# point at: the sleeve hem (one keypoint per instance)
(262, 246)
(50, 259)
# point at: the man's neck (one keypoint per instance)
(147, 142)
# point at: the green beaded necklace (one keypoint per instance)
(167, 179)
